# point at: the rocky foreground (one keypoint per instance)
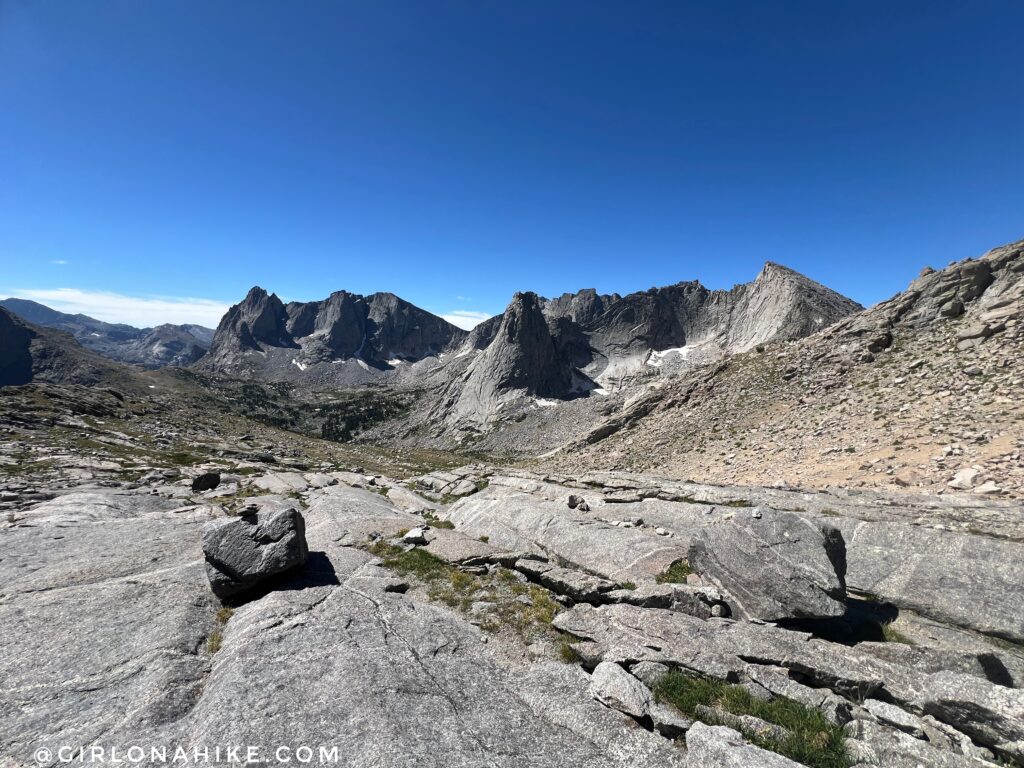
(484, 617)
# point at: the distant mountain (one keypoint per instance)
(675, 327)
(580, 342)
(343, 340)
(520, 358)
(30, 352)
(148, 347)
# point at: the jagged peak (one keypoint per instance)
(255, 294)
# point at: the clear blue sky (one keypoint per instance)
(470, 149)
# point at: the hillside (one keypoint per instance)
(164, 345)
(922, 391)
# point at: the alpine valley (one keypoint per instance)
(761, 527)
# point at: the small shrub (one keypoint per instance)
(567, 653)
(630, 585)
(485, 539)
(435, 522)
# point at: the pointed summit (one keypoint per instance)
(259, 318)
(523, 354)
(521, 360)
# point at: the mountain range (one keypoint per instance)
(562, 348)
(147, 347)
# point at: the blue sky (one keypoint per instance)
(159, 158)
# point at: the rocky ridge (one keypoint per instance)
(32, 353)
(156, 347)
(920, 392)
(344, 340)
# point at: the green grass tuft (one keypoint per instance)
(813, 740)
(225, 613)
(435, 522)
(416, 562)
(675, 573)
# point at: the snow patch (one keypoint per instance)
(396, 361)
(363, 365)
(97, 335)
(657, 358)
(300, 366)
(600, 391)
(543, 403)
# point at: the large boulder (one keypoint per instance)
(775, 565)
(243, 551)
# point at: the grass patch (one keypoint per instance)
(416, 562)
(183, 458)
(435, 522)
(214, 641)
(567, 653)
(675, 573)
(813, 740)
(225, 613)
(496, 601)
(734, 503)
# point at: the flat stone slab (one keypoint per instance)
(958, 578)
(456, 547)
(282, 482)
(517, 521)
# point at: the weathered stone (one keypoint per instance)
(991, 714)
(242, 552)
(964, 580)
(746, 724)
(415, 536)
(338, 659)
(282, 483)
(410, 502)
(896, 717)
(668, 721)
(774, 567)
(892, 747)
(576, 585)
(837, 709)
(517, 521)
(649, 673)
(455, 547)
(615, 687)
(966, 479)
(715, 746)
